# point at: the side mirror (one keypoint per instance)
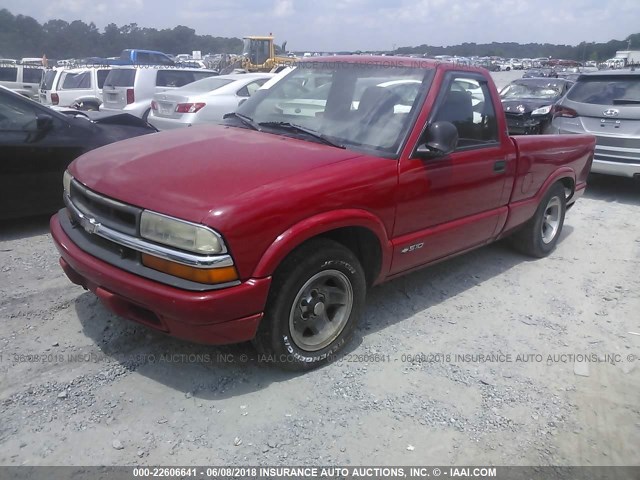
(242, 101)
(44, 122)
(441, 138)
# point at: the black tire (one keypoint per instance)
(315, 270)
(539, 236)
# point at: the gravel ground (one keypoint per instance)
(80, 386)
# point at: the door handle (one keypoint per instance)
(500, 166)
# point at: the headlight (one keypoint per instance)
(180, 234)
(542, 110)
(66, 182)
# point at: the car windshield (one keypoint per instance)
(355, 105)
(620, 90)
(530, 90)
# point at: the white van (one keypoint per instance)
(131, 88)
(80, 87)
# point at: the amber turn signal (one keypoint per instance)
(200, 275)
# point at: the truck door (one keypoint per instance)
(453, 203)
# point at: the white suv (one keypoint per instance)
(131, 88)
(79, 87)
(23, 79)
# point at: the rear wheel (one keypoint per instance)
(315, 300)
(539, 235)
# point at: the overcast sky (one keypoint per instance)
(317, 25)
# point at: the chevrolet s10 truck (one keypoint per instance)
(338, 175)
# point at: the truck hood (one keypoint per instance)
(189, 172)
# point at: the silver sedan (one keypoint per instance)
(204, 101)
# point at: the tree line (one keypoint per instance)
(23, 36)
(582, 52)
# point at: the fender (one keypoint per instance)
(520, 212)
(318, 224)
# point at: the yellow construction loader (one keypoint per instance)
(260, 54)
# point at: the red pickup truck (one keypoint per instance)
(336, 176)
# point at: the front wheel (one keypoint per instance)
(315, 300)
(539, 236)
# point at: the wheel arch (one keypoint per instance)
(358, 230)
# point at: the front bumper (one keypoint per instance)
(230, 315)
(526, 125)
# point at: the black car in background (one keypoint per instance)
(37, 144)
(528, 103)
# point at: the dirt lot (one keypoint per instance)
(80, 386)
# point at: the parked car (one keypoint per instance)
(20, 78)
(131, 89)
(528, 103)
(540, 73)
(37, 144)
(272, 227)
(78, 87)
(204, 101)
(605, 104)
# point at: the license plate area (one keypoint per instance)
(609, 123)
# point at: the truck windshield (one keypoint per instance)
(357, 105)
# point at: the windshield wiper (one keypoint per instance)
(297, 128)
(244, 119)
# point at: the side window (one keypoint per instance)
(101, 76)
(16, 115)
(143, 58)
(73, 81)
(32, 75)
(160, 59)
(467, 104)
(251, 88)
(8, 74)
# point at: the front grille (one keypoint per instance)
(109, 212)
(108, 230)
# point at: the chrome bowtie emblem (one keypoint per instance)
(611, 112)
